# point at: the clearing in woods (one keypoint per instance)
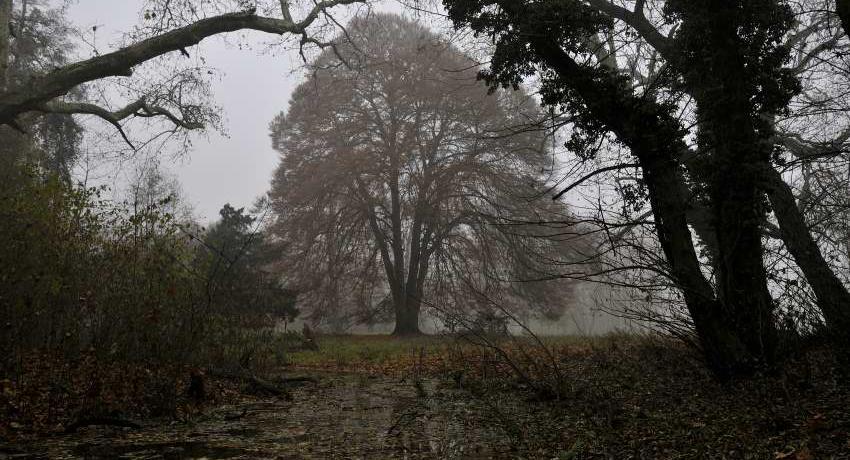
(439, 397)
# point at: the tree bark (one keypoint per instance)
(843, 10)
(655, 138)
(715, 72)
(5, 41)
(36, 92)
(737, 211)
(407, 317)
(832, 296)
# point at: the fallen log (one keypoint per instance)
(259, 386)
(255, 385)
(232, 417)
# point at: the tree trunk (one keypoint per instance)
(733, 176)
(725, 351)
(843, 10)
(833, 298)
(5, 41)
(741, 275)
(407, 317)
(655, 137)
(718, 75)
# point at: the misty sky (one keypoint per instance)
(253, 89)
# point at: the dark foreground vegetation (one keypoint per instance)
(442, 397)
(618, 396)
(691, 155)
(110, 310)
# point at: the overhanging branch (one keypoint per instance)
(637, 20)
(139, 108)
(33, 95)
(594, 174)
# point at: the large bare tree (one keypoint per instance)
(692, 90)
(399, 178)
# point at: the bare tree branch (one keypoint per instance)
(139, 108)
(284, 10)
(637, 20)
(593, 174)
(120, 63)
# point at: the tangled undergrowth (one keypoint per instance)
(51, 392)
(620, 396)
(110, 308)
(571, 398)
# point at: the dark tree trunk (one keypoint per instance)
(407, 317)
(843, 9)
(655, 137)
(741, 275)
(735, 332)
(833, 298)
(711, 57)
(724, 349)
(733, 175)
(5, 40)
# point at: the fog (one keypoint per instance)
(255, 84)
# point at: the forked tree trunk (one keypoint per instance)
(654, 136)
(724, 349)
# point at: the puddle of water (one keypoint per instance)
(344, 416)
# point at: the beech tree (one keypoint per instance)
(399, 176)
(636, 71)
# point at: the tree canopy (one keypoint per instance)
(399, 175)
(653, 77)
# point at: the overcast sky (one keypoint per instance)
(253, 89)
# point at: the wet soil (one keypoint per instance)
(341, 416)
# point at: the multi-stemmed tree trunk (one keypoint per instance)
(715, 56)
(832, 296)
(406, 281)
(738, 139)
(421, 152)
(630, 118)
(730, 60)
(655, 138)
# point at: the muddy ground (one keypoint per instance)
(376, 399)
(341, 416)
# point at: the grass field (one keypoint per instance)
(344, 351)
(433, 354)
